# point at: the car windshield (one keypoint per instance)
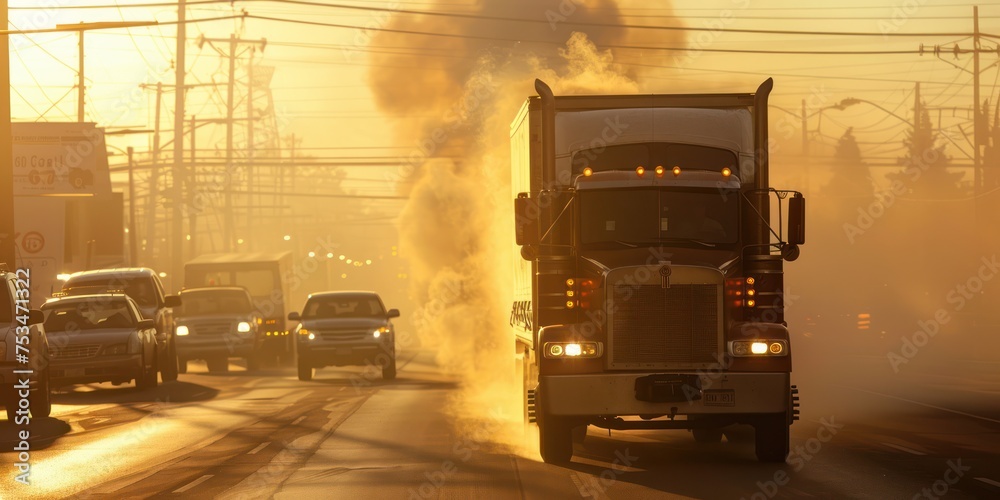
(644, 216)
(87, 315)
(209, 302)
(139, 288)
(349, 306)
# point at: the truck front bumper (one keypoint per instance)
(614, 394)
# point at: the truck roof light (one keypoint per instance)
(640, 170)
(726, 172)
(587, 171)
(659, 170)
(677, 170)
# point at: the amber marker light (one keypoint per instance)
(659, 171)
(640, 170)
(677, 171)
(726, 172)
(587, 171)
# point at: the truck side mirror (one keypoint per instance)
(526, 213)
(797, 219)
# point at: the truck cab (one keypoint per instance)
(650, 290)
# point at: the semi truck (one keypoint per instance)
(648, 288)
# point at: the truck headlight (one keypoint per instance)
(573, 349)
(758, 347)
(243, 327)
(182, 330)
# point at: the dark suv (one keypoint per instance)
(345, 328)
(37, 345)
(215, 324)
(144, 287)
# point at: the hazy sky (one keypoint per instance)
(320, 86)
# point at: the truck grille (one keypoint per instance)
(345, 334)
(220, 328)
(652, 325)
(75, 351)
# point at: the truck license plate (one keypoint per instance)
(725, 397)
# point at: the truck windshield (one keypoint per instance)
(209, 302)
(645, 216)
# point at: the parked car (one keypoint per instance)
(39, 389)
(100, 338)
(345, 328)
(144, 287)
(215, 324)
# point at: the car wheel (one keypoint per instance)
(389, 369)
(153, 381)
(305, 372)
(168, 372)
(41, 397)
(218, 363)
(182, 366)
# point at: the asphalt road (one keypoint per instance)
(350, 435)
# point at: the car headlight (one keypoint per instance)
(304, 333)
(758, 347)
(243, 327)
(573, 349)
(182, 330)
(379, 331)
(115, 350)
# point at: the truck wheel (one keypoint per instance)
(555, 436)
(305, 372)
(709, 436)
(253, 362)
(169, 368)
(389, 369)
(771, 438)
(41, 398)
(218, 364)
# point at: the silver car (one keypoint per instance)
(345, 328)
(100, 338)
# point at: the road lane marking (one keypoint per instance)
(258, 448)
(988, 481)
(903, 448)
(993, 420)
(194, 483)
(296, 421)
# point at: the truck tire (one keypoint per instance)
(389, 369)
(771, 438)
(707, 436)
(555, 436)
(218, 364)
(305, 372)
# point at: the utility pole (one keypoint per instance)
(250, 148)
(177, 233)
(133, 251)
(191, 186)
(7, 253)
(805, 131)
(229, 219)
(79, 94)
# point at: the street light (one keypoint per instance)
(81, 28)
